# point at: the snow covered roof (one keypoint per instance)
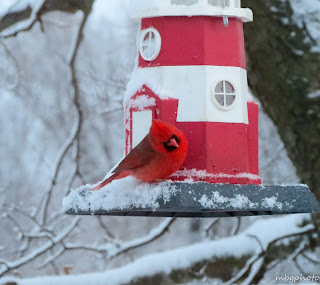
(215, 8)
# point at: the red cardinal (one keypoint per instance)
(157, 156)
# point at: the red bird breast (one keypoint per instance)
(160, 154)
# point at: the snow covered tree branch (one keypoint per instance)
(26, 24)
(182, 264)
(22, 15)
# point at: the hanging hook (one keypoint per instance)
(225, 18)
(225, 21)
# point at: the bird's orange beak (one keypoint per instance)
(173, 142)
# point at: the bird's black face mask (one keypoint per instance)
(172, 144)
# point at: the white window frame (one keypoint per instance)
(224, 107)
(156, 44)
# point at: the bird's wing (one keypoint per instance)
(141, 155)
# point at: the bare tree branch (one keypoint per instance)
(154, 234)
(52, 257)
(108, 235)
(236, 227)
(16, 21)
(258, 240)
(264, 249)
(17, 226)
(10, 265)
(302, 246)
(22, 212)
(311, 258)
(244, 270)
(112, 250)
(255, 268)
(17, 70)
(68, 143)
(296, 263)
(209, 226)
(77, 125)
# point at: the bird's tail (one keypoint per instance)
(105, 182)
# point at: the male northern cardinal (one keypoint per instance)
(158, 155)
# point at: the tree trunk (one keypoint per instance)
(282, 71)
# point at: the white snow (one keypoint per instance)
(271, 202)
(120, 194)
(314, 95)
(308, 12)
(4, 7)
(202, 174)
(110, 10)
(142, 102)
(130, 192)
(138, 79)
(238, 202)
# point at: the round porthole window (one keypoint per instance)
(224, 95)
(150, 44)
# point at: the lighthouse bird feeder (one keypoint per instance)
(191, 73)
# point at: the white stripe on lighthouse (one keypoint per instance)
(193, 86)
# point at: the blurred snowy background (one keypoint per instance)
(64, 66)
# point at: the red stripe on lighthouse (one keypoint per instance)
(197, 40)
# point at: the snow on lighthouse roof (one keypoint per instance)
(215, 8)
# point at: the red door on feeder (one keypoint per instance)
(191, 72)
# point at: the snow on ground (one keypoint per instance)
(184, 257)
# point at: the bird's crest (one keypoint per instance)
(161, 131)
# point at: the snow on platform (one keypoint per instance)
(129, 197)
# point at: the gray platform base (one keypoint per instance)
(225, 200)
